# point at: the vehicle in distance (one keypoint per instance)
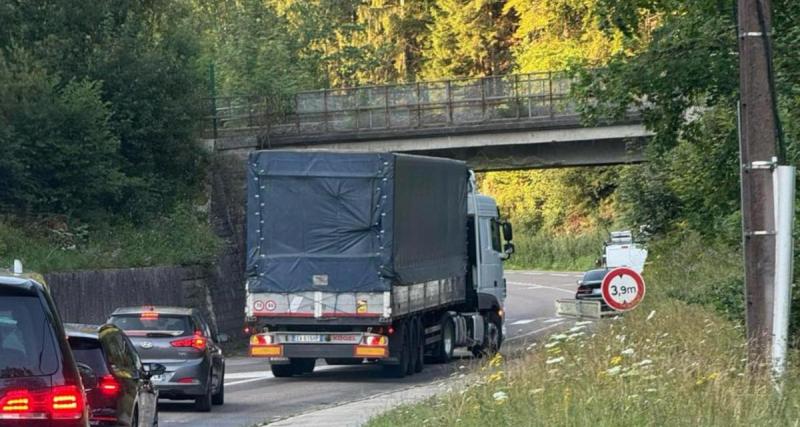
(40, 383)
(621, 251)
(589, 286)
(377, 257)
(181, 340)
(123, 394)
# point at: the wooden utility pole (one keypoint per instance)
(758, 136)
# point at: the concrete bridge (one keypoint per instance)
(519, 121)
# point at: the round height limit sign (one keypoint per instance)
(622, 288)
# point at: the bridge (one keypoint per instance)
(518, 121)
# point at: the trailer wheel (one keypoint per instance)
(419, 349)
(399, 347)
(304, 366)
(445, 346)
(282, 371)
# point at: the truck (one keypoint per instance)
(621, 251)
(382, 258)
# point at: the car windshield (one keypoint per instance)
(153, 325)
(88, 351)
(27, 346)
(594, 275)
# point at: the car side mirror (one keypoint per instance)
(88, 377)
(151, 370)
(508, 231)
(223, 338)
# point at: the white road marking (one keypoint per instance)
(523, 322)
(251, 377)
(533, 332)
(554, 320)
(533, 287)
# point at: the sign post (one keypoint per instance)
(622, 289)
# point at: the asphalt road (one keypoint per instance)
(253, 395)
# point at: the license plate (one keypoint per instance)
(157, 378)
(596, 291)
(304, 338)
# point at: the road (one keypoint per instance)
(254, 396)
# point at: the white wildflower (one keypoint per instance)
(614, 371)
(558, 337)
(551, 344)
(576, 328)
(627, 352)
(530, 347)
(650, 316)
(645, 362)
(620, 338)
(651, 390)
(554, 360)
(500, 396)
(584, 323)
(537, 391)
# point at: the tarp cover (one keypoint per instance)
(341, 222)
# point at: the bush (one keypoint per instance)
(548, 251)
(58, 244)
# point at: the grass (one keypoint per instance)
(543, 251)
(53, 244)
(669, 362)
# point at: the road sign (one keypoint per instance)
(622, 288)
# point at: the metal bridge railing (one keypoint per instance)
(446, 103)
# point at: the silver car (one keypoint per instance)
(182, 341)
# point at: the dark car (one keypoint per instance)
(123, 394)
(40, 383)
(589, 285)
(182, 341)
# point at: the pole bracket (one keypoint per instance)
(761, 165)
(745, 34)
(759, 233)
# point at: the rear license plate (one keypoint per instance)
(304, 338)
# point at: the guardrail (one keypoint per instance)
(399, 107)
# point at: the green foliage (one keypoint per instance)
(59, 152)
(182, 237)
(560, 252)
(105, 111)
(468, 38)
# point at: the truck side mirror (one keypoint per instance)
(508, 250)
(508, 231)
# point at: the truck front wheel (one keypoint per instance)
(443, 352)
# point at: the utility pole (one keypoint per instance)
(758, 136)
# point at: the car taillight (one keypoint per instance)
(66, 402)
(260, 340)
(60, 402)
(109, 385)
(16, 402)
(197, 342)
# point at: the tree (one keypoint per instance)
(469, 38)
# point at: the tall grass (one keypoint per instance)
(546, 251)
(668, 363)
(182, 238)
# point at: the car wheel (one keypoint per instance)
(203, 403)
(219, 397)
(305, 366)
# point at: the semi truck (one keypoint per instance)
(370, 258)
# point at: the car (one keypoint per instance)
(181, 340)
(40, 382)
(589, 286)
(124, 394)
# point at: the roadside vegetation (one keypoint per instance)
(55, 244)
(669, 362)
(564, 252)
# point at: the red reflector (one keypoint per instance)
(66, 402)
(391, 330)
(16, 402)
(109, 385)
(188, 381)
(197, 342)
